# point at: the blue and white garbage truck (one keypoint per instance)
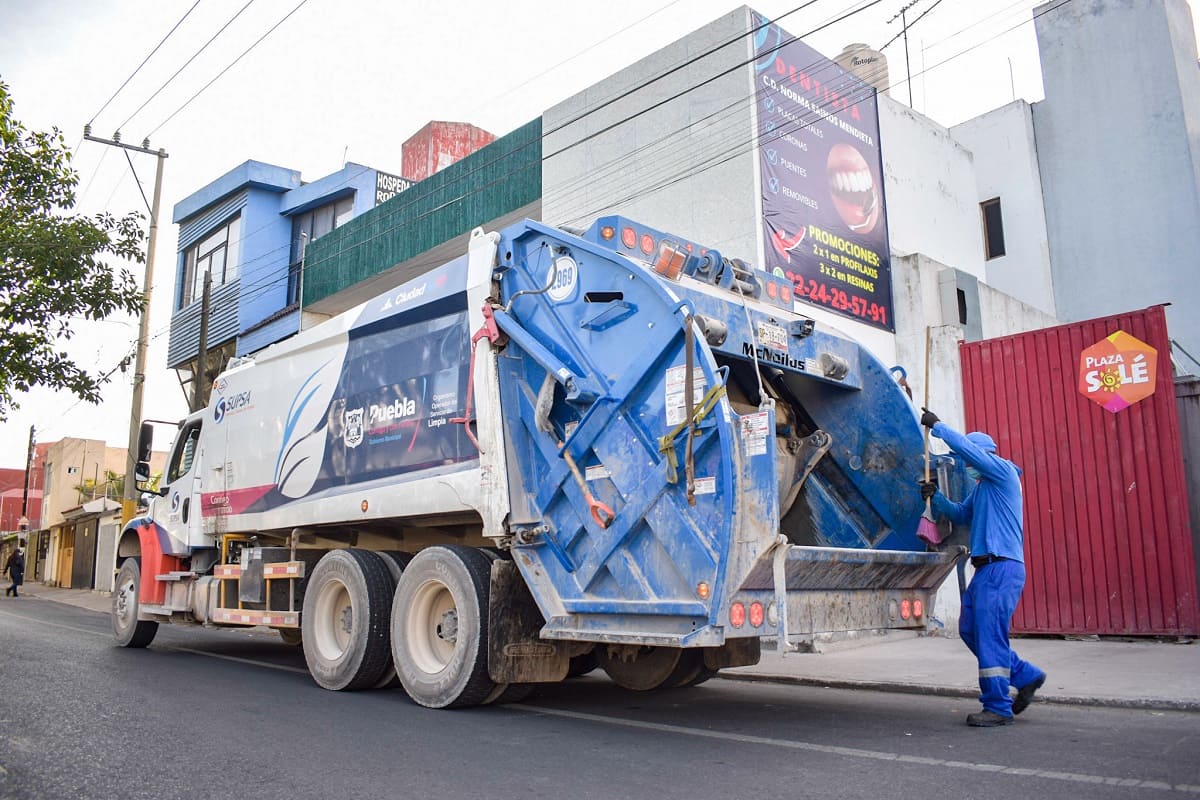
(559, 450)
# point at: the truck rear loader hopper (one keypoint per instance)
(615, 448)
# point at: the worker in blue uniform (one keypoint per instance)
(993, 508)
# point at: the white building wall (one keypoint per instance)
(929, 183)
(1006, 167)
(684, 165)
(1118, 139)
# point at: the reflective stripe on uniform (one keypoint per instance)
(994, 672)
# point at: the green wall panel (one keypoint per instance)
(489, 183)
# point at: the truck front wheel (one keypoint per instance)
(127, 628)
(345, 620)
(439, 627)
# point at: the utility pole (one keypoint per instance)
(23, 524)
(200, 379)
(129, 505)
(904, 29)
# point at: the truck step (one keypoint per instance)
(281, 569)
(248, 616)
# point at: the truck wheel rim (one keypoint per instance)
(432, 629)
(126, 602)
(334, 620)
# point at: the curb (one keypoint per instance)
(1147, 704)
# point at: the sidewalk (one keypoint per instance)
(1130, 674)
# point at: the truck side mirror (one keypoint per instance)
(141, 473)
(144, 444)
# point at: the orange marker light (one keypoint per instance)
(702, 590)
(607, 232)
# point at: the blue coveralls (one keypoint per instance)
(994, 510)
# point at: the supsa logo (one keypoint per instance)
(230, 405)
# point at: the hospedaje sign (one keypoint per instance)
(1118, 371)
(823, 216)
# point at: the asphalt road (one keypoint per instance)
(234, 714)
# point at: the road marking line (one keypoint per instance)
(877, 755)
(281, 667)
(108, 634)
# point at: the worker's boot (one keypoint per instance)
(988, 719)
(1025, 694)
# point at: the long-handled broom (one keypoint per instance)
(927, 528)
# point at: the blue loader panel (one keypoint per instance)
(592, 379)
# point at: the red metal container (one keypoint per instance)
(1108, 545)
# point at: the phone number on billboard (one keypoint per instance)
(821, 294)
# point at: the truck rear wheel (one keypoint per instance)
(345, 620)
(690, 671)
(439, 627)
(127, 628)
(639, 669)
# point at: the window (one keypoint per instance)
(184, 454)
(310, 226)
(216, 254)
(993, 228)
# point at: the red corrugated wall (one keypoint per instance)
(1108, 547)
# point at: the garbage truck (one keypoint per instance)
(561, 450)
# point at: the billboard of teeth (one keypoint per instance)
(823, 215)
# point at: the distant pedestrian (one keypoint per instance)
(15, 569)
(993, 507)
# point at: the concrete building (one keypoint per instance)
(83, 478)
(248, 232)
(1118, 144)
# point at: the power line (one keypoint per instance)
(231, 65)
(147, 58)
(186, 63)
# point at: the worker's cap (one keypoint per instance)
(981, 440)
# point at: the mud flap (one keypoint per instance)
(734, 653)
(516, 653)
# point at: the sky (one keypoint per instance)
(340, 81)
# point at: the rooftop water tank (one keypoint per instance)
(868, 64)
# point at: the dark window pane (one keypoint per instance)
(993, 229)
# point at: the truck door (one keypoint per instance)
(183, 485)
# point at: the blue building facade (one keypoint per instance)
(248, 231)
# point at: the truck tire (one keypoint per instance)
(127, 628)
(583, 664)
(690, 671)
(396, 561)
(344, 624)
(291, 636)
(639, 669)
(439, 627)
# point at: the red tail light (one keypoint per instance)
(737, 615)
(756, 614)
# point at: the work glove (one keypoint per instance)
(928, 489)
(929, 419)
